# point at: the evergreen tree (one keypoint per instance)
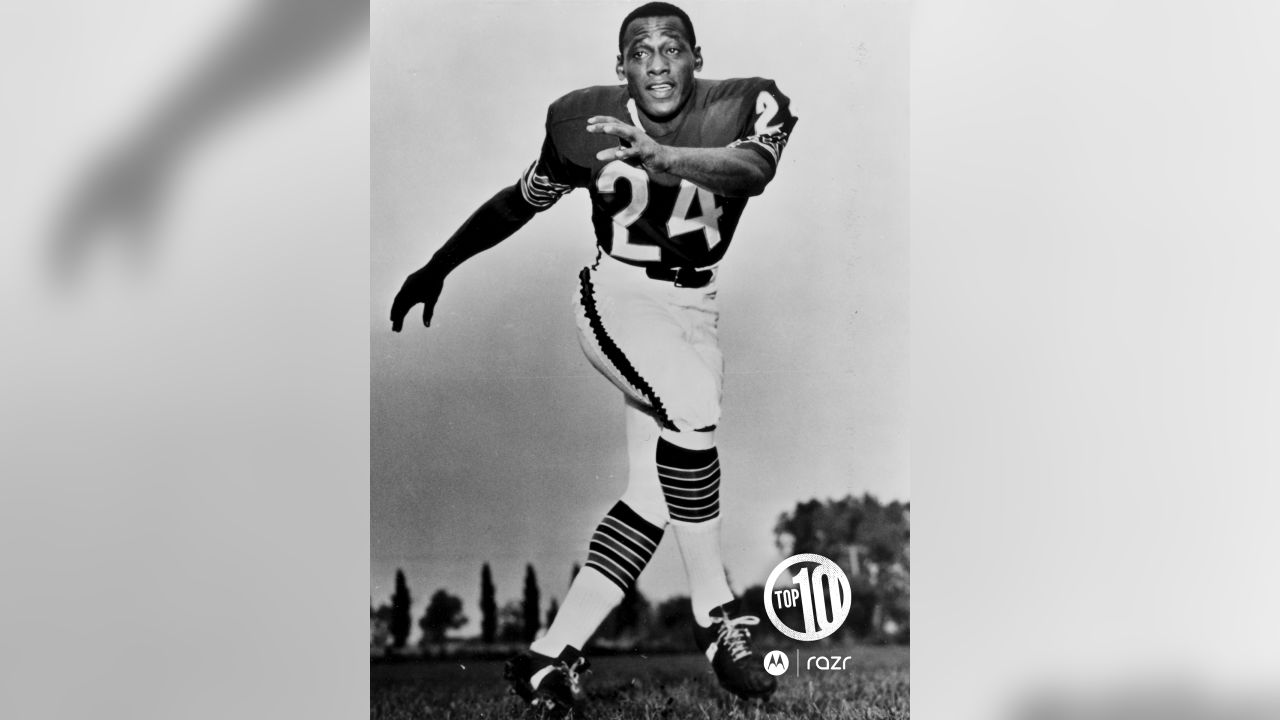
(532, 604)
(553, 607)
(401, 621)
(488, 606)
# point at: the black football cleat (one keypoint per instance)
(727, 644)
(556, 691)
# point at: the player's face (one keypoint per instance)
(658, 62)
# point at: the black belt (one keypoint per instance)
(682, 277)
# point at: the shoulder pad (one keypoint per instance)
(738, 87)
(579, 104)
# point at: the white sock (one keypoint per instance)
(700, 548)
(587, 604)
(689, 472)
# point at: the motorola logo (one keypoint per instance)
(776, 662)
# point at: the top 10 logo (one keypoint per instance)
(815, 585)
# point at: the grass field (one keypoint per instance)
(874, 687)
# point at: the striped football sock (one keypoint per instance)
(621, 547)
(691, 484)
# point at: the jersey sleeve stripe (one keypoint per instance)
(772, 144)
(542, 182)
(538, 190)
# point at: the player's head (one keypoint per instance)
(657, 56)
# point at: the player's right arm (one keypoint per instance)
(496, 220)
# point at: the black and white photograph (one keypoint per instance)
(639, 336)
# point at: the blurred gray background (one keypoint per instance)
(184, 375)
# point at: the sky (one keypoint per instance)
(492, 438)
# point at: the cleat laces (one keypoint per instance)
(733, 635)
(573, 674)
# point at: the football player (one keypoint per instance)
(669, 161)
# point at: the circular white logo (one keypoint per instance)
(821, 593)
(776, 662)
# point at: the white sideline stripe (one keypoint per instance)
(711, 651)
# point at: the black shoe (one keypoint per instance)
(727, 644)
(558, 690)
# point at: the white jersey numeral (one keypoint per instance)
(708, 221)
(767, 107)
(680, 222)
(623, 219)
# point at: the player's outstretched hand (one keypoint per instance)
(423, 287)
(635, 143)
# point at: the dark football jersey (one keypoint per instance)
(638, 219)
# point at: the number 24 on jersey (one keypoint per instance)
(679, 223)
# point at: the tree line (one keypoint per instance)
(870, 541)
(516, 621)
